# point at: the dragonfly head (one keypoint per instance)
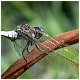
(39, 32)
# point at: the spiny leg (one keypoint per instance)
(35, 42)
(23, 54)
(28, 43)
(26, 48)
(38, 47)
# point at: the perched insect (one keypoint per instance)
(24, 36)
(29, 35)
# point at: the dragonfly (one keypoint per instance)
(26, 37)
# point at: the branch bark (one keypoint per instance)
(19, 67)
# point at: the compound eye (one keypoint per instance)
(39, 29)
(38, 35)
(42, 30)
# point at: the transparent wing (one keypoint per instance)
(64, 59)
(45, 37)
(60, 62)
(20, 44)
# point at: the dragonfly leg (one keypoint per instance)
(38, 47)
(23, 55)
(27, 49)
(28, 43)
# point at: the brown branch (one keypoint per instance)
(35, 55)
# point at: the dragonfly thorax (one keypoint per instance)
(25, 30)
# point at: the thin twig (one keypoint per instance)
(17, 68)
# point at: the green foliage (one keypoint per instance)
(54, 17)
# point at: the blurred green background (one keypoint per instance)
(54, 17)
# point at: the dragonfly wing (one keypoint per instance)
(65, 59)
(19, 45)
(61, 63)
